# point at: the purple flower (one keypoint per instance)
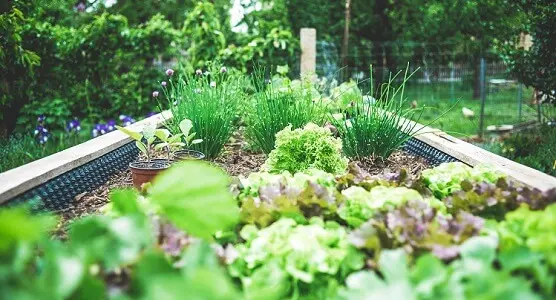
(150, 114)
(223, 70)
(41, 119)
(163, 83)
(73, 126)
(199, 72)
(169, 72)
(40, 130)
(126, 120)
(100, 129)
(110, 125)
(80, 7)
(41, 134)
(155, 94)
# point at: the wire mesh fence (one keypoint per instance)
(446, 81)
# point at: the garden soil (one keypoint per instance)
(236, 161)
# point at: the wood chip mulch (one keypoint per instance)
(398, 160)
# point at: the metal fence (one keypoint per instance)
(464, 95)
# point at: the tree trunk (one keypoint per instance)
(9, 118)
(345, 44)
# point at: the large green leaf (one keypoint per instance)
(202, 277)
(133, 134)
(17, 224)
(162, 134)
(125, 201)
(185, 126)
(195, 197)
(62, 272)
(480, 248)
(112, 242)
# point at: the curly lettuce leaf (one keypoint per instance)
(309, 254)
(446, 178)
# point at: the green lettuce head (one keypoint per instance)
(312, 147)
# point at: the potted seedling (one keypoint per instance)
(143, 171)
(171, 143)
(188, 137)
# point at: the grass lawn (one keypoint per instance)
(501, 106)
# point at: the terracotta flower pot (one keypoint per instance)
(187, 155)
(143, 172)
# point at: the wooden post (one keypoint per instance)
(345, 42)
(308, 38)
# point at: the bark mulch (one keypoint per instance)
(398, 160)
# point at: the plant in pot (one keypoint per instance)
(143, 171)
(188, 137)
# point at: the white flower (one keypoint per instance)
(213, 84)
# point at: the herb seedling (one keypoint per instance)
(174, 142)
(168, 141)
(185, 127)
(147, 134)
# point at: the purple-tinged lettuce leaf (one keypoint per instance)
(494, 200)
(417, 228)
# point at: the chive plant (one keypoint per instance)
(211, 100)
(380, 127)
(275, 106)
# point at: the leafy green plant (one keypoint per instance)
(174, 142)
(381, 126)
(360, 204)
(144, 139)
(447, 178)
(205, 34)
(173, 196)
(278, 47)
(304, 260)
(211, 100)
(471, 277)
(265, 197)
(494, 200)
(532, 229)
(311, 147)
(274, 107)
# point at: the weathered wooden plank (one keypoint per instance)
(19, 180)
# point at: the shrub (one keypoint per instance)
(381, 126)
(277, 106)
(312, 147)
(211, 101)
(534, 148)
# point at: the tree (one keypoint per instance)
(536, 66)
(17, 64)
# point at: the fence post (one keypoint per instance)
(520, 100)
(308, 41)
(482, 83)
(452, 80)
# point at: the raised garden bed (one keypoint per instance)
(345, 250)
